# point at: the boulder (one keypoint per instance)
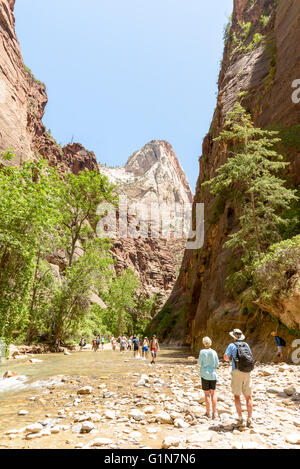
(170, 441)
(163, 417)
(136, 414)
(85, 390)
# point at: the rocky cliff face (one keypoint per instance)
(22, 104)
(259, 66)
(152, 175)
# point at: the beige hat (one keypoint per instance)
(237, 334)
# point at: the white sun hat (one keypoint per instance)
(237, 334)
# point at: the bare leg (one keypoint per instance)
(213, 395)
(249, 404)
(207, 402)
(238, 406)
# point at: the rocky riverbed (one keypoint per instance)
(146, 406)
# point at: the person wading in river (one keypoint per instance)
(96, 343)
(145, 349)
(154, 347)
(209, 362)
(136, 345)
(241, 382)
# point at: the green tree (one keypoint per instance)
(80, 197)
(71, 302)
(121, 300)
(250, 177)
(27, 209)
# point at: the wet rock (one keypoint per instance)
(85, 390)
(87, 427)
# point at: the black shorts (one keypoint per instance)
(208, 385)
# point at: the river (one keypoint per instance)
(43, 388)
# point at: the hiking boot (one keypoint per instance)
(240, 423)
(250, 423)
(207, 416)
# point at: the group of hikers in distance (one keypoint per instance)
(242, 365)
(140, 348)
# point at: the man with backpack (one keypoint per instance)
(280, 343)
(242, 365)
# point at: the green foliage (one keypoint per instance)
(227, 28)
(121, 315)
(289, 137)
(42, 214)
(8, 155)
(272, 53)
(264, 19)
(252, 171)
(274, 271)
(30, 73)
(167, 320)
(27, 210)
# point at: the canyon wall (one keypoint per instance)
(152, 175)
(258, 71)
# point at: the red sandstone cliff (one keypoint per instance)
(260, 76)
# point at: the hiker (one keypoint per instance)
(145, 349)
(113, 343)
(102, 343)
(209, 362)
(154, 347)
(241, 382)
(129, 344)
(136, 344)
(123, 344)
(280, 343)
(82, 343)
(96, 343)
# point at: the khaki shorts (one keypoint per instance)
(241, 383)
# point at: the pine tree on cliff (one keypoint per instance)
(249, 179)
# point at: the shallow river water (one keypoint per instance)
(40, 390)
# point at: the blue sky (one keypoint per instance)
(120, 73)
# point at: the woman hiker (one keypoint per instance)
(209, 362)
